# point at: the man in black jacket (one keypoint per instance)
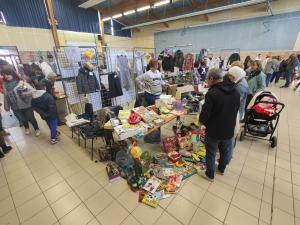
(44, 104)
(202, 70)
(292, 62)
(218, 114)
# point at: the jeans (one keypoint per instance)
(52, 124)
(150, 98)
(25, 116)
(269, 76)
(288, 78)
(211, 146)
(276, 75)
(231, 149)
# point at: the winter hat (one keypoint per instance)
(237, 72)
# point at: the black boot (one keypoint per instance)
(1, 155)
(6, 148)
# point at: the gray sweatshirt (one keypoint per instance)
(153, 82)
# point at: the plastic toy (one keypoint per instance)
(180, 163)
(195, 157)
(164, 110)
(160, 157)
(139, 135)
(134, 118)
(136, 151)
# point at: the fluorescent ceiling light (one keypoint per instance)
(162, 3)
(90, 3)
(117, 16)
(205, 24)
(143, 8)
(129, 12)
(105, 19)
(218, 9)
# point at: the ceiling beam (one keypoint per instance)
(128, 24)
(197, 6)
(189, 8)
(157, 17)
(127, 5)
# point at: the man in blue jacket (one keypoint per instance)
(218, 114)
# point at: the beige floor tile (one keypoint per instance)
(222, 190)
(295, 168)
(284, 164)
(102, 178)
(11, 158)
(269, 181)
(297, 221)
(215, 206)
(283, 174)
(255, 164)
(6, 205)
(80, 215)
(205, 218)
(70, 170)
(271, 159)
(21, 183)
(35, 157)
(284, 187)
(295, 150)
(200, 181)
(284, 155)
(44, 172)
(85, 162)
(14, 166)
(50, 181)
(130, 220)
(99, 201)
(95, 168)
(63, 162)
(5, 192)
(265, 212)
(48, 151)
(280, 217)
(250, 187)
(267, 195)
(147, 215)
(253, 174)
(57, 192)
(127, 200)
(260, 222)
(45, 217)
(30, 208)
(94, 222)
(57, 156)
(166, 202)
(296, 192)
(3, 181)
(117, 187)
(241, 150)
(234, 167)
(297, 208)
(258, 156)
(87, 189)
(181, 209)
(17, 174)
(296, 179)
(39, 164)
(166, 218)
(10, 218)
(1, 170)
(283, 202)
(77, 179)
(192, 192)
(108, 215)
(228, 178)
(65, 204)
(237, 216)
(79, 154)
(239, 158)
(295, 158)
(246, 202)
(26, 194)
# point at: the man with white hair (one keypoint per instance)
(218, 115)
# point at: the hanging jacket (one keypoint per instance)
(86, 81)
(105, 99)
(44, 104)
(168, 63)
(234, 57)
(114, 84)
(178, 59)
(188, 63)
(203, 52)
(270, 66)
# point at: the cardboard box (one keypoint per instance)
(185, 89)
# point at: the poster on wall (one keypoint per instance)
(72, 54)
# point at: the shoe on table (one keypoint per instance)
(27, 131)
(4, 132)
(54, 141)
(202, 173)
(37, 132)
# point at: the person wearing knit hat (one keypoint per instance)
(238, 76)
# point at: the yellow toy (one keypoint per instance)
(135, 151)
(180, 164)
(195, 157)
(88, 54)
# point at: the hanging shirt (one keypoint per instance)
(46, 69)
(188, 63)
(147, 58)
(214, 63)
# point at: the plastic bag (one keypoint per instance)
(9, 120)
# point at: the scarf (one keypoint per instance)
(254, 74)
(237, 72)
(11, 95)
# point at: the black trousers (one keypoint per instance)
(26, 115)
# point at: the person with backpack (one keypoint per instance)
(44, 104)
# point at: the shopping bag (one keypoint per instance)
(9, 120)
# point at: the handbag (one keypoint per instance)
(9, 120)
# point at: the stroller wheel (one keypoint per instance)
(273, 142)
(242, 135)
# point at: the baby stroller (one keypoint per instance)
(262, 116)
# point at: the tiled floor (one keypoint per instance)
(44, 184)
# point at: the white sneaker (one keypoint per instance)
(37, 133)
(27, 131)
(202, 173)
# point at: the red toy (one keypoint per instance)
(134, 118)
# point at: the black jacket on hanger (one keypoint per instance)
(115, 88)
(178, 58)
(86, 81)
(105, 99)
(168, 63)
